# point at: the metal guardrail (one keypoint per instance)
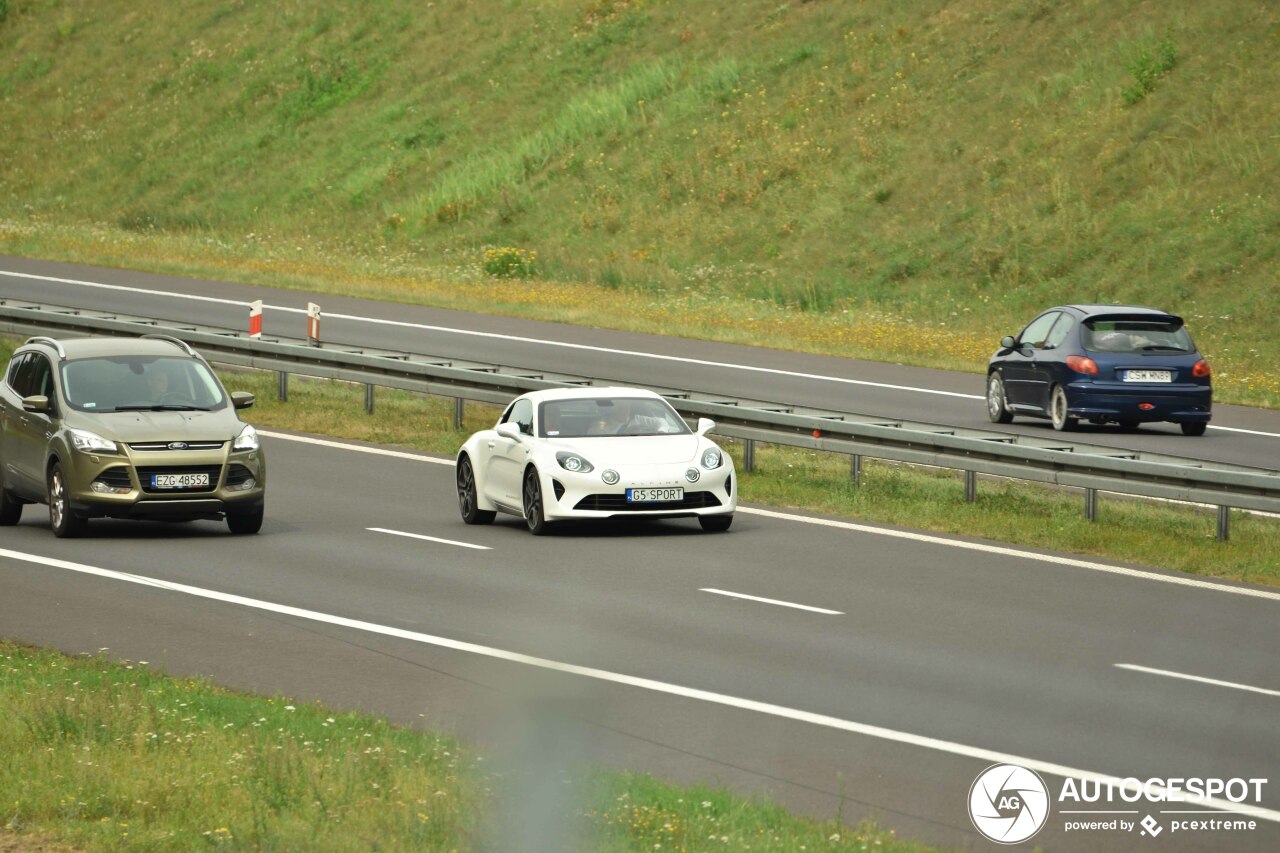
(1053, 461)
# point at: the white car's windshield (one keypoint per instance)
(140, 383)
(597, 416)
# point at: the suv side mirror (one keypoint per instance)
(1008, 342)
(242, 399)
(36, 403)
(705, 425)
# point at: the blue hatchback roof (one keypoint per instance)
(1094, 310)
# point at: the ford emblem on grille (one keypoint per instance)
(177, 445)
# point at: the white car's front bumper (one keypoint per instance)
(567, 494)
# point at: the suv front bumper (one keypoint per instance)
(120, 485)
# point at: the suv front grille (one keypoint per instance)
(150, 446)
(619, 503)
(146, 471)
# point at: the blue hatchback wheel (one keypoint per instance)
(997, 404)
(1062, 421)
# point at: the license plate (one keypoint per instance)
(655, 495)
(179, 481)
(1148, 376)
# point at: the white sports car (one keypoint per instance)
(595, 453)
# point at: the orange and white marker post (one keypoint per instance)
(313, 324)
(255, 319)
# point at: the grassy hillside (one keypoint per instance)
(895, 178)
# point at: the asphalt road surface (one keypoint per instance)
(882, 672)
(1237, 435)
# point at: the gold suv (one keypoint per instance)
(125, 428)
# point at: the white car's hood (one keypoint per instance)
(636, 450)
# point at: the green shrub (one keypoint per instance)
(510, 262)
(1147, 63)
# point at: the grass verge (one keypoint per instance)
(96, 755)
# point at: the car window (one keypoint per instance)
(1059, 332)
(596, 416)
(41, 379)
(132, 382)
(520, 414)
(1037, 332)
(19, 376)
(1137, 335)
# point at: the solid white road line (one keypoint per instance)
(780, 711)
(428, 538)
(1178, 580)
(772, 601)
(360, 448)
(1014, 552)
(1185, 677)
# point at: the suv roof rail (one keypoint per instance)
(53, 342)
(178, 342)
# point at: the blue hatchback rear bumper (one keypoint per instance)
(1187, 404)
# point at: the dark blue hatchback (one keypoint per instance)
(1123, 364)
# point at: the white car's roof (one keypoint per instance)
(586, 393)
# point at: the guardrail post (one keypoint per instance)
(368, 399)
(457, 412)
(855, 469)
(1091, 504)
(1224, 523)
(282, 391)
(748, 454)
(970, 486)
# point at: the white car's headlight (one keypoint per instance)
(247, 439)
(91, 442)
(610, 477)
(573, 462)
(711, 458)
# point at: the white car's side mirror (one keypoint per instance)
(705, 425)
(508, 430)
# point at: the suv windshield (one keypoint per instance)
(1127, 335)
(140, 383)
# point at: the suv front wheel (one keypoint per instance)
(246, 523)
(65, 523)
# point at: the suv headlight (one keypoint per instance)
(573, 462)
(711, 458)
(91, 442)
(247, 439)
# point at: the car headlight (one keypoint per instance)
(610, 477)
(573, 462)
(247, 439)
(91, 442)
(711, 458)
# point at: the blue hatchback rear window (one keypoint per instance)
(1135, 336)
